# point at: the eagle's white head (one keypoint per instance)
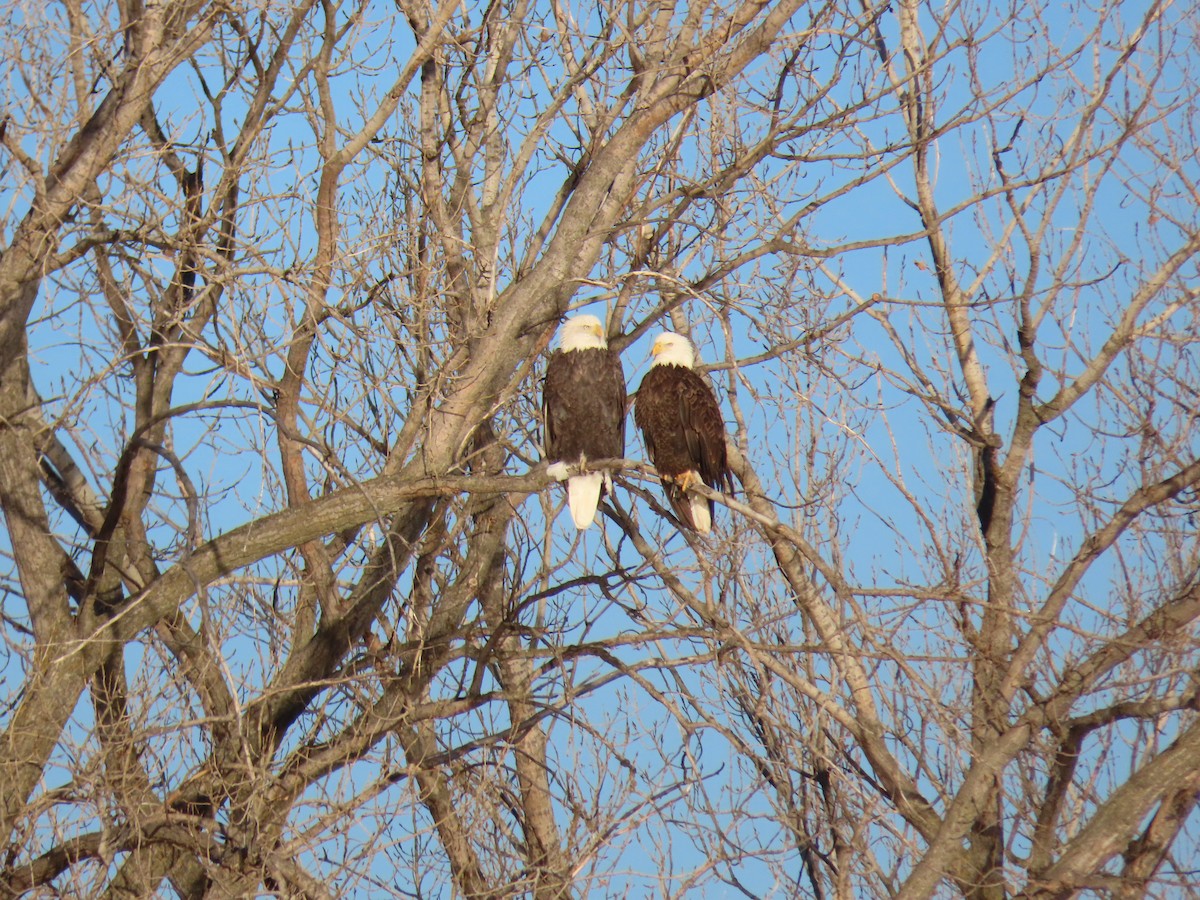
(583, 333)
(671, 349)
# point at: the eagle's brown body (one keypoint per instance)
(584, 397)
(684, 433)
(583, 409)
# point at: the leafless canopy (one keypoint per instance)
(288, 607)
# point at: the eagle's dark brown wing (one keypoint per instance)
(704, 429)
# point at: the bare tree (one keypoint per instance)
(289, 606)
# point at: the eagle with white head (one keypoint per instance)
(583, 409)
(683, 429)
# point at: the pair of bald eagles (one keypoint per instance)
(583, 404)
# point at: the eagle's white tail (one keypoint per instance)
(583, 496)
(701, 517)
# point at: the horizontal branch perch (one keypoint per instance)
(342, 509)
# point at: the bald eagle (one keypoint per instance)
(583, 407)
(681, 423)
